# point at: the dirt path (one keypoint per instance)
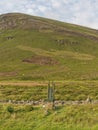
(41, 83)
(23, 83)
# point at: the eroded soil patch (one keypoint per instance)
(41, 60)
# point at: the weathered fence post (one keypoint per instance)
(51, 91)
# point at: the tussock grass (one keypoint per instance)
(69, 90)
(83, 117)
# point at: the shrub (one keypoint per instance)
(10, 109)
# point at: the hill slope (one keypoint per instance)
(34, 48)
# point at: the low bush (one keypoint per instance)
(10, 109)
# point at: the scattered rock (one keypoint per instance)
(9, 37)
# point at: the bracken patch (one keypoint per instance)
(41, 60)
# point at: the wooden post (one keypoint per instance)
(51, 91)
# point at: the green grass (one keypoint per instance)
(69, 90)
(83, 117)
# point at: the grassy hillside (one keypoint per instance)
(34, 51)
(34, 48)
